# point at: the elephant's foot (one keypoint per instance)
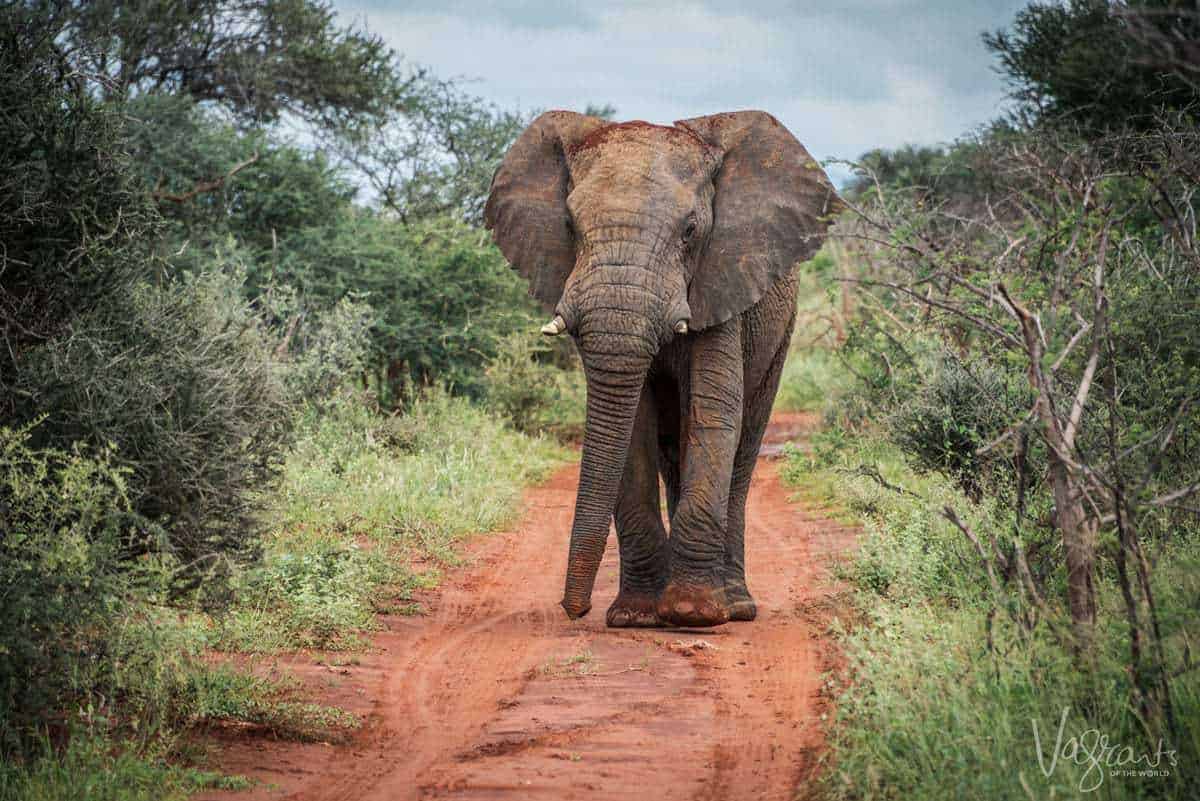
(693, 605)
(633, 610)
(743, 608)
(741, 604)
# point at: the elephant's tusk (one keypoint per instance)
(681, 327)
(555, 326)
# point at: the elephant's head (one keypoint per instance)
(632, 234)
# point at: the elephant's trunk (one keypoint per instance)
(611, 406)
(617, 343)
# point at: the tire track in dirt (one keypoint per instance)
(494, 694)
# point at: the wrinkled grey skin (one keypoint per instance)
(625, 231)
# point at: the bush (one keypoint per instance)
(73, 215)
(65, 520)
(531, 392)
(443, 296)
(182, 382)
(884, 372)
(959, 408)
(326, 351)
(953, 686)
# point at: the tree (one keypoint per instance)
(73, 216)
(100, 346)
(214, 183)
(442, 294)
(1094, 63)
(434, 154)
(261, 59)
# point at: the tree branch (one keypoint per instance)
(203, 187)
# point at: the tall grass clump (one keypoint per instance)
(368, 506)
(442, 470)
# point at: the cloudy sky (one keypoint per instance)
(843, 76)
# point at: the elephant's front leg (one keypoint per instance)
(695, 591)
(641, 537)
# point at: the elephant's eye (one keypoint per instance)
(689, 230)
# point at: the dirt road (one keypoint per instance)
(495, 694)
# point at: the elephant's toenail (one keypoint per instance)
(685, 607)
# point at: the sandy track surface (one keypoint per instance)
(494, 694)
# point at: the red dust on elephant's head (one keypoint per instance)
(643, 143)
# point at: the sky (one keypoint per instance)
(844, 77)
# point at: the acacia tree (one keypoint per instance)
(1100, 64)
(433, 154)
(260, 59)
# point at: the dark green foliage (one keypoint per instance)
(72, 212)
(524, 384)
(936, 173)
(260, 59)
(182, 381)
(181, 148)
(442, 293)
(1155, 353)
(1084, 61)
(886, 370)
(440, 296)
(958, 409)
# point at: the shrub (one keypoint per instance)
(73, 215)
(523, 385)
(181, 381)
(954, 686)
(443, 296)
(64, 520)
(959, 408)
(885, 367)
(326, 350)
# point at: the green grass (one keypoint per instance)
(925, 710)
(224, 695)
(91, 768)
(368, 510)
(425, 479)
(812, 377)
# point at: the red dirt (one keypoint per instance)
(618, 129)
(495, 694)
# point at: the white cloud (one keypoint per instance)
(874, 73)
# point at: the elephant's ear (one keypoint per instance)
(772, 206)
(526, 209)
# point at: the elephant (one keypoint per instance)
(669, 254)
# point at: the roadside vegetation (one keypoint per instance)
(1002, 345)
(252, 393)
